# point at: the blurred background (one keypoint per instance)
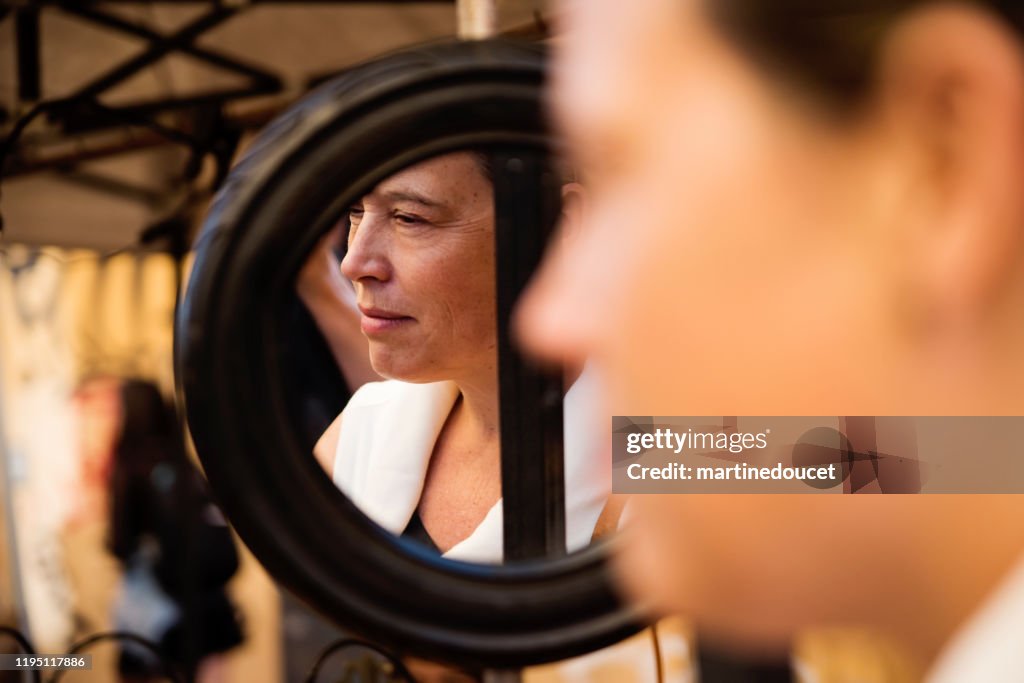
(129, 114)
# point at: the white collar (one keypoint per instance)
(990, 647)
(395, 438)
(400, 459)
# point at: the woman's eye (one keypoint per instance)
(355, 214)
(408, 219)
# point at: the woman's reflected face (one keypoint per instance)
(421, 258)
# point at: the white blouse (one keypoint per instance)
(388, 431)
(990, 647)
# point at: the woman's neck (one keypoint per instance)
(477, 407)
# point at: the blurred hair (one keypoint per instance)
(150, 441)
(484, 162)
(150, 432)
(826, 46)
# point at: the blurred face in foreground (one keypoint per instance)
(751, 251)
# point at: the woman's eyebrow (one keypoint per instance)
(411, 196)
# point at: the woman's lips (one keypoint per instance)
(377, 320)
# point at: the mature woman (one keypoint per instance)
(805, 208)
(420, 453)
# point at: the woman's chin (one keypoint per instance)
(401, 370)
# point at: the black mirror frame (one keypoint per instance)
(262, 224)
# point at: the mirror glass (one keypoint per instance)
(392, 352)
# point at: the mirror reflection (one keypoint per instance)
(403, 293)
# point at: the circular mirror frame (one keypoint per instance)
(351, 133)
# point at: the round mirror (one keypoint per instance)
(351, 384)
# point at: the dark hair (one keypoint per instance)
(483, 160)
(150, 446)
(149, 420)
(555, 164)
(829, 46)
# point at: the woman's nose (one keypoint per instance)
(366, 257)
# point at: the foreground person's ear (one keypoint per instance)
(951, 94)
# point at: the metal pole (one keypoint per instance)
(26, 20)
(526, 207)
(476, 19)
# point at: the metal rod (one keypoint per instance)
(476, 19)
(526, 205)
(174, 41)
(143, 109)
(128, 116)
(113, 186)
(264, 78)
(121, 144)
(26, 20)
(87, 115)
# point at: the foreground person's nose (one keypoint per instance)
(555, 319)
